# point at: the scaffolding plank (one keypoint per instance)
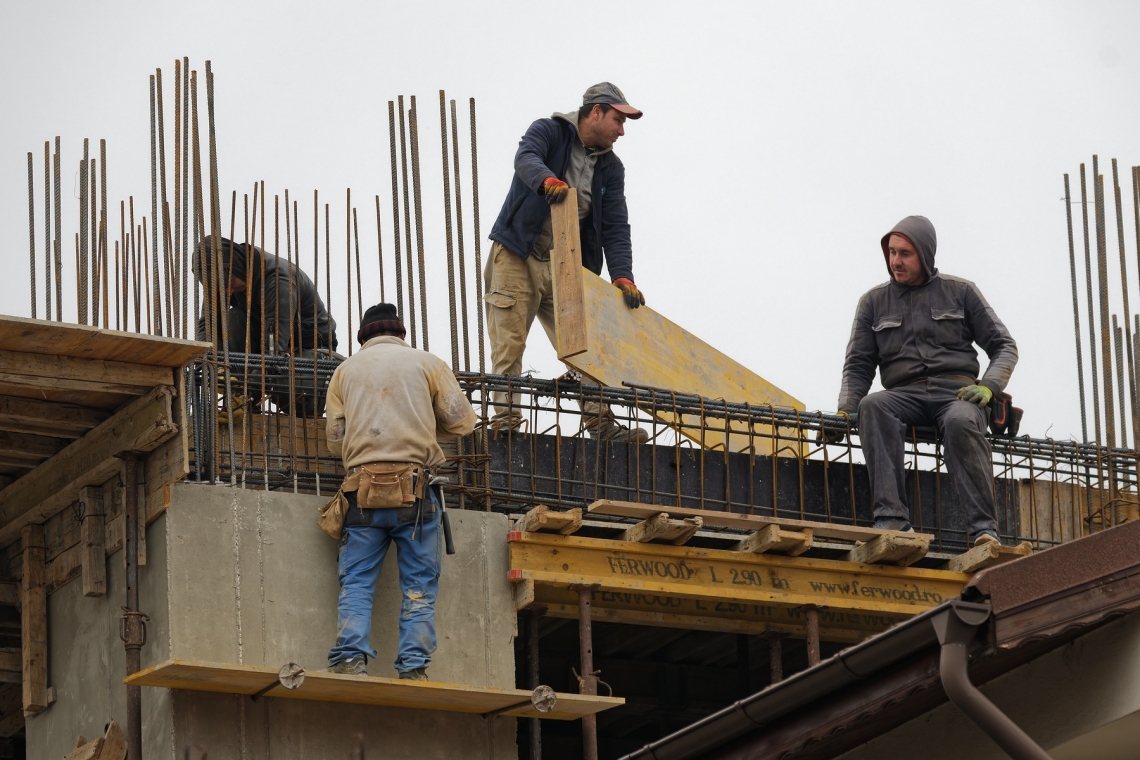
(321, 686)
(747, 522)
(717, 575)
(606, 333)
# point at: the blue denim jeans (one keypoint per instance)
(362, 551)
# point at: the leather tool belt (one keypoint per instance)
(386, 485)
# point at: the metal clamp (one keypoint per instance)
(132, 628)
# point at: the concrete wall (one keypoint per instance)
(1069, 701)
(247, 577)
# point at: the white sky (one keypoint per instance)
(780, 142)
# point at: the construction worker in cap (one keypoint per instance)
(385, 407)
(919, 330)
(573, 149)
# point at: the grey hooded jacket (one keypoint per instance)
(909, 333)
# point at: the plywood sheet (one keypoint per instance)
(363, 690)
(643, 348)
(63, 339)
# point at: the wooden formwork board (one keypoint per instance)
(322, 686)
(714, 576)
(607, 341)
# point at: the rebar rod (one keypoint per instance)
(462, 264)
(348, 260)
(82, 267)
(1090, 302)
(93, 266)
(380, 251)
(447, 232)
(103, 226)
(153, 295)
(47, 230)
(162, 201)
(32, 232)
(410, 316)
(1126, 318)
(179, 319)
(328, 270)
(359, 286)
(478, 237)
(187, 285)
(57, 243)
(396, 211)
(413, 127)
(1105, 334)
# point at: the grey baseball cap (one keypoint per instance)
(608, 93)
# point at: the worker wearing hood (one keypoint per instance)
(919, 331)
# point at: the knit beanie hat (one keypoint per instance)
(380, 319)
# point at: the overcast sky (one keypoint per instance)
(779, 142)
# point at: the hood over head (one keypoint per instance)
(920, 232)
(232, 255)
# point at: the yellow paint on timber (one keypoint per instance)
(641, 608)
(717, 575)
(642, 347)
(322, 686)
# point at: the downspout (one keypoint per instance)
(956, 628)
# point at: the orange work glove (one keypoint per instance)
(555, 190)
(633, 296)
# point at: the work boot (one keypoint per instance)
(986, 537)
(415, 674)
(616, 433)
(353, 666)
(893, 523)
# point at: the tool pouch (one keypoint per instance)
(1005, 418)
(331, 515)
(386, 485)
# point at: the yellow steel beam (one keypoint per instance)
(718, 576)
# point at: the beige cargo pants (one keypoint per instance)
(517, 291)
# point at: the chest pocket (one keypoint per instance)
(949, 326)
(888, 335)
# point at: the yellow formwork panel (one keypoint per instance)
(322, 686)
(717, 575)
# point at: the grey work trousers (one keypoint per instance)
(883, 421)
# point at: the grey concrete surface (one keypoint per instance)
(245, 576)
(1070, 693)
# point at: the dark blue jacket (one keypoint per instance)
(545, 150)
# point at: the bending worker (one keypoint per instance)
(918, 329)
(573, 149)
(385, 408)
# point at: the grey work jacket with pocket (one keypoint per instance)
(913, 332)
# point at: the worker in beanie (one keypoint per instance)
(264, 281)
(573, 149)
(919, 330)
(385, 407)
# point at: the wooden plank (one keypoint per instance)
(323, 686)
(988, 555)
(715, 575)
(12, 722)
(140, 426)
(29, 446)
(33, 621)
(64, 339)
(571, 320)
(88, 751)
(11, 659)
(902, 550)
(65, 420)
(746, 522)
(93, 548)
(523, 593)
(725, 616)
(661, 527)
(114, 743)
(11, 380)
(669, 356)
(543, 517)
(91, 370)
(9, 594)
(771, 538)
(170, 462)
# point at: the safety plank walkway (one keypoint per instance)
(322, 686)
(716, 589)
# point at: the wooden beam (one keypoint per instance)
(92, 540)
(901, 549)
(772, 538)
(114, 743)
(543, 518)
(24, 446)
(140, 426)
(523, 593)
(747, 522)
(19, 463)
(33, 620)
(717, 575)
(88, 751)
(9, 594)
(988, 555)
(570, 318)
(22, 414)
(661, 527)
(44, 366)
(47, 337)
(12, 380)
